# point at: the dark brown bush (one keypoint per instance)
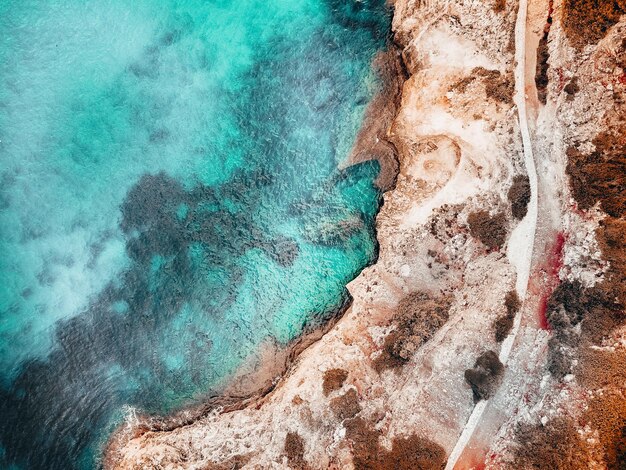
(555, 446)
(502, 327)
(407, 453)
(601, 175)
(572, 87)
(419, 316)
(587, 21)
(541, 70)
(499, 6)
(611, 236)
(413, 453)
(485, 376)
(503, 324)
(490, 230)
(519, 196)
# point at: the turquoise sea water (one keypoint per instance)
(169, 200)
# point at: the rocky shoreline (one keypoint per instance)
(490, 331)
(255, 381)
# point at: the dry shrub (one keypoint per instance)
(572, 87)
(555, 446)
(418, 316)
(485, 376)
(541, 70)
(333, 380)
(519, 196)
(502, 327)
(490, 230)
(611, 235)
(602, 320)
(558, 445)
(499, 6)
(497, 86)
(569, 305)
(503, 324)
(587, 21)
(607, 414)
(512, 302)
(392, 355)
(365, 445)
(410, 453)
(443, 224)
(599, 368)
(601, 175)
(234, 463)
(413, 453)
(500, 88)
(462, 84)
(560, 358)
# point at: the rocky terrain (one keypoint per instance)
(490, 332)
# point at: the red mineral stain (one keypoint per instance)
(554, 263)
(562, 79)
(473, 459)
(543, 307)
(557, 254)
(491, 458)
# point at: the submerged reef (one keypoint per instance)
(179, 215)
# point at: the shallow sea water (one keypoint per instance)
(169, 200)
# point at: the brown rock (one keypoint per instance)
(333, 380)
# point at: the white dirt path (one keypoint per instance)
(521, 242)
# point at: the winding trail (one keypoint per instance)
(522, 240)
